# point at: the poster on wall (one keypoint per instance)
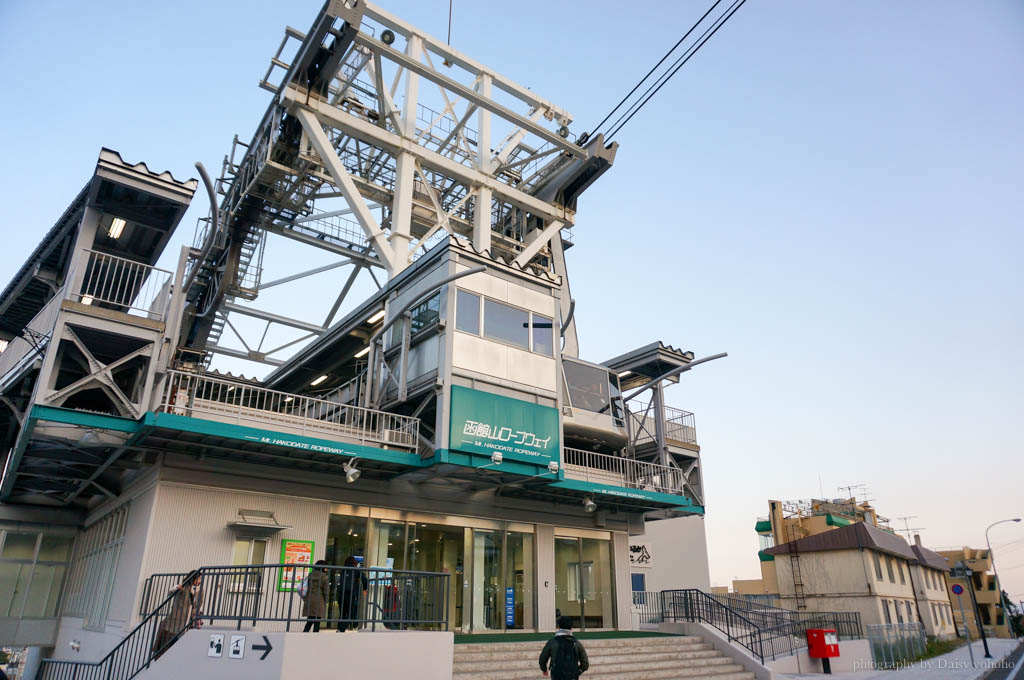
(640, 556)
(298, 553)
(486, 423)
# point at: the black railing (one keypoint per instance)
(265, 597)
(766, 632)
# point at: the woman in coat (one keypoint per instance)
(188, 598)
(351, 584)
(314, 602)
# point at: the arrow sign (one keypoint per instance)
(265, 648)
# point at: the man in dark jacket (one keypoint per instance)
(563, 655)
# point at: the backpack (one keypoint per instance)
(304, 587)
(565, 662)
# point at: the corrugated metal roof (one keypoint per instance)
(855, 536)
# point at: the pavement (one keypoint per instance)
(1007, 663)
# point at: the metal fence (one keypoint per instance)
(212, 398)
(894, 644)
(647, 607)
(679, 424)
(589, 466)
(265, 598)
(767, 632)
(33, 340)
(124, 285)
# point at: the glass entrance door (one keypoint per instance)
(439, 548)
(583, 582)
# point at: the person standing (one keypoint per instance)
(314, 600)
(184, 608)
(563, 654)
(351, 584)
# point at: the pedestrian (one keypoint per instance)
(314, 599)
(564, 655)
(183, 611)
(351, 584)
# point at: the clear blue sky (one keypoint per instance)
(830, 191)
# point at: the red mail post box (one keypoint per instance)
(822, 643)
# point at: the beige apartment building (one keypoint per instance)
(986, 591)
(840, 555)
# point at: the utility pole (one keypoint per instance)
(961, 571)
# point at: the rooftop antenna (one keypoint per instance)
(907, 528)
(851, 488)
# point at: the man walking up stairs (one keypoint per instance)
(632, 657)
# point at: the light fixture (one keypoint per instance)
(553, 467)
(231, 389)
(89, 438)
(625, 373)
(287, 399)
(376, 317)
(589, 505)
(319, 380)
(86, 299)
(351, 471)
(116, 227)
(387, 36)
(497, 457)
(362, 353)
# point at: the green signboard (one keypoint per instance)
(486, 423)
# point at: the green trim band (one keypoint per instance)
(763, 526)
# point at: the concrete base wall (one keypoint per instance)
(310, 656)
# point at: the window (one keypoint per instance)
(888, 566)
(910, 612)
(467, 312)
(899, 568)
(32, 567)
(588, 386)
(248, 551)
(639, 582)
(91, 579)
(899, 611)
(425, 314)
(507, 324)
(543, 335)
(878, 566)
(885, 607)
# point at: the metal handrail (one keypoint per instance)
(210, 397)
(268, 598)
(124, 285)
(626, 472)
(679, 424)
(765, 632)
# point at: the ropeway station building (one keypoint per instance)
(445, 423)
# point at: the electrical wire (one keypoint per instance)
(660, 62)
(678, 64)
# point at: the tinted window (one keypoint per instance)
(543, 332)
(506, 324)
(588, 386)
(426, 314)
(467, 312)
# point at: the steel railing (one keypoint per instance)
(41, 325)
(679, 425)
(213, 398)
(766, 632)
(602, 468)
(266, 598)
(124, 285)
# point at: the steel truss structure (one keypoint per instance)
(379, 142)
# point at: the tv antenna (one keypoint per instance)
(907, 528)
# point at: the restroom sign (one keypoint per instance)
(640, 555)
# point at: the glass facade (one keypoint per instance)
(493, 584)
(32, 568)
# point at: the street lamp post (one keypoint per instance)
(995, 572)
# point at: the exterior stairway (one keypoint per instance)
(632, 658)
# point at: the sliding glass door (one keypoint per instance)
(583, 582)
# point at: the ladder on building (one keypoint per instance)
(794, 560)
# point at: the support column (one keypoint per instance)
(658, 395)
(482, 207)
(405, 164)
(545, 545)
(623, 587)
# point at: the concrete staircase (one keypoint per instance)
(630, 658)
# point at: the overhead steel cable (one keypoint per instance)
(636, 87)
(678, 64)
